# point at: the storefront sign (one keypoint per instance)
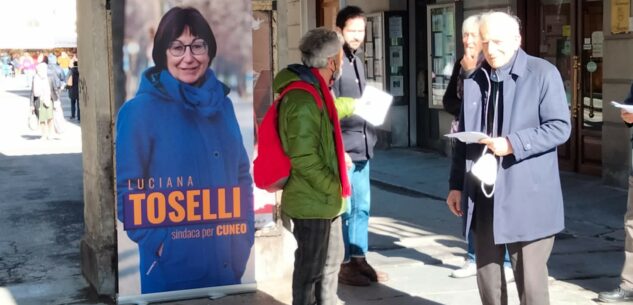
(592, 66)
(566, 30)
(620, 13)
(597, 40)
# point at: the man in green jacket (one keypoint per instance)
(313, 194)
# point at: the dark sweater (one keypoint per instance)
(453, 96)
(452, 99)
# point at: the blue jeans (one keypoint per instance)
(471, 252)
(356, 217)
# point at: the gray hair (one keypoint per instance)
(319, 44)
(509, 21)
(471, 22)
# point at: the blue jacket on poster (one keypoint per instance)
(171, 130)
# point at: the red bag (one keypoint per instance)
(271, 167)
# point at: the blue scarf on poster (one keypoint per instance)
(206, 99)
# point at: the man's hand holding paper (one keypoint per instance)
(624, 107)
(468, 136)
(626, 116)
(373, 105)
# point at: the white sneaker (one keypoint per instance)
(509, 274)
(467, 270)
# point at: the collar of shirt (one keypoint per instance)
(351, 54)
(504, 72)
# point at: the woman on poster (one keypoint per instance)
(179, 135)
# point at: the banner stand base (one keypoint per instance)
(216, 295)
(212, 293)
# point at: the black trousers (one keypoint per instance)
(318, 259)
(529, 262)
(36, 106)
(74, 104)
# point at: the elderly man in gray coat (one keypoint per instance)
(514, 197)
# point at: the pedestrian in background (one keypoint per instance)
(360, 138)
(64, 63)
(515, 199)
(54, 70)
(452, 102)
(624, 292)
(42, 91)
(27, 64)
(73, 91)
(313, 196)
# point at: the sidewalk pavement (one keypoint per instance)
(415, 239)
(413, 236)
(588, 254)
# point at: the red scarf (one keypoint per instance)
(338, 137)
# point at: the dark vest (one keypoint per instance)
(358, 135)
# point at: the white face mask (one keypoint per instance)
(485, 169)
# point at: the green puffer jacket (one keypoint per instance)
(313, 190)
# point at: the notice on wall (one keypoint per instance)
(396, 85)
(370, 69)
(395, 56)
(378, 48)
(567, 30)
(597, 39)
(620, 13)
(395, 27)
(369, 49)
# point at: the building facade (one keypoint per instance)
(589, 41)
(410, 46)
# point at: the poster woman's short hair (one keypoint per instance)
(171, 27)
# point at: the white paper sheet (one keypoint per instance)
(468, 136)
(373, 105)
(627, 108)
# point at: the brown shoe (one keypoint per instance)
(369, 271)
(350, 275)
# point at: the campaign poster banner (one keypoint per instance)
(184, 145)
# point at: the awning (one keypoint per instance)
(38, 24)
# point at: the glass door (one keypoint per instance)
(441, 50)
(589, 106)
(570, 37)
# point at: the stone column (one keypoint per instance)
(94, 44)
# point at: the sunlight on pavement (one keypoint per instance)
(6, 298)
(16, 139)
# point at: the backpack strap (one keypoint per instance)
(301, 85)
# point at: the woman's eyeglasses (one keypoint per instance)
(197, 47)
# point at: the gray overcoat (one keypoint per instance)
(528, 202)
